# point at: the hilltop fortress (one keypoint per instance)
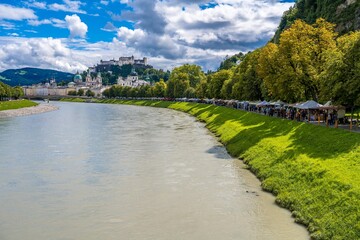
(105, 66)
(93, 79)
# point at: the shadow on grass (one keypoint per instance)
(314, 141)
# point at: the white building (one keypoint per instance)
(132, 80)
(95, 82)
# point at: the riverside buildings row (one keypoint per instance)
(93, 84)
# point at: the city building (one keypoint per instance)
(132, 80)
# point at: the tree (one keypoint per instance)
(159, 89)
(292, 70)
(193, 73)
(72, 93)
(89, 93)
(201, 89)
(80, 92)
(190, 92)
(178, 83)
(217, 81)
(247, 84)
(341, 80)
(230, 62)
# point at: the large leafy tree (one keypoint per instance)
(159, 88)
(193, 72)
(217, 81)
(296, 64)
(247, 82)
(182, 78)
(341, 80)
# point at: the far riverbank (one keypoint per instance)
(24, 111)
(312, 171)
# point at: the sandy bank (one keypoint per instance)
(41, 108)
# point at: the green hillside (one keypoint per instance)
(344, 13)
(29, 76)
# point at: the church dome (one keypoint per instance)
(77, 78)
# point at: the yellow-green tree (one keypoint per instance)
(292, 70)
(182, 78)
(201, 89)
(160, 88)
(217, 81)
(341, 80)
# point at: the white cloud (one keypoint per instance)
(67, 6)
(14, 13)
(52, 21)
(7, 25)
(35, 4)
(185, 31)
(37, 52)
(35, 22)
(230, 24)
(76, 26)
(109, 27)
(169, 32)
(13, 34)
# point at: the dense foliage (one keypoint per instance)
(7, 92)
(30, 76)
(346, 17)
(232, 61)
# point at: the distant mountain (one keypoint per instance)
(29, 76)
(344, 13)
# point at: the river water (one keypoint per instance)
(93, 171)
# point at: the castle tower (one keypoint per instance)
(88, 79)
(99, 80)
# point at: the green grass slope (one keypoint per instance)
(312, 170)
(7, 105)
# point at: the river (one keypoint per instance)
(96, 171)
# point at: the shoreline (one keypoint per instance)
(41, 108)
(292, 160)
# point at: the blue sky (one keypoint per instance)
(72, 35)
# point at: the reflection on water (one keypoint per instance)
(92, 171)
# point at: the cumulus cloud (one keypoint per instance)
(10, 12)
(177, 29)
(169, 32)
(229, 24)
(151, 44)
(37, 52)
(76, 26)
(145, 16)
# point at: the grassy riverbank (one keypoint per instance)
(312, 170)
(16, 104)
